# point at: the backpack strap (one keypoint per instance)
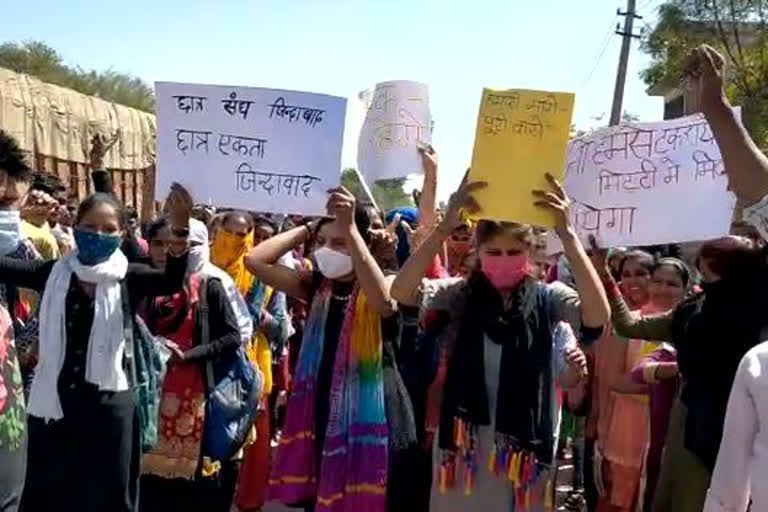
(130, 348)
(205, 328)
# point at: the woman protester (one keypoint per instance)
(333, 453)
(237, 235)
(508, 344)
(630, 450)
(177, 472)
(621, 405)
(670, 281)
(82, 410)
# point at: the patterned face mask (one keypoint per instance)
(94, 248)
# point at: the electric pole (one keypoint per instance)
(621, 73)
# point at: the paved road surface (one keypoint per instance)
(563, 487)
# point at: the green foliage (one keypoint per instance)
(40, 60)
(387, 193)
(737, 29)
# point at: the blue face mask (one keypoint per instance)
(94, 248)
(9, 231)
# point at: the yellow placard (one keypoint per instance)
(521, 135)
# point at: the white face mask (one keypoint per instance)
(9, 231)
(197, 257)
(333, 264)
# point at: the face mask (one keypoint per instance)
(504, 272)
(456, 252)
(197, 257)
(228, 247)
(94, 248)
(333, 264)
(9, 231)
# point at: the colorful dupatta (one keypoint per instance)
(352, 474)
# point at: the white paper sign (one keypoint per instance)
(265, 150)
(649, 183)
(396, 123)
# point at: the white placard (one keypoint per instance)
(264, 150)
(396, 123)
(648, 183)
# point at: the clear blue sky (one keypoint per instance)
(341, 47)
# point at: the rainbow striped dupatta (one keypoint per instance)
(353, 469)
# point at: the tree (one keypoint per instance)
(388, 194)
(40, 60)
(736, 28)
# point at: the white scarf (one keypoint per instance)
(106, 343)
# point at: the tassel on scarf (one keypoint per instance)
(447, 473)
(465, 440)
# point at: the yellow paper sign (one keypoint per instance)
(521, 135)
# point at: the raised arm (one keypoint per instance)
(146, 281)
(627, 324)
(745, 165)
(261, 261)
(428, 197)
(341, 204)
(32, 274)
(639, 327)
(405, 287)
(595, 310)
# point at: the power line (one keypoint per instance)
(605, 43)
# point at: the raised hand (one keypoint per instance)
(99, 147)
(179, 206)
(703, 75)
(384, 244)
(341, 204)
(462, 202)
(598, 256)
(428, 160)
(556, 201)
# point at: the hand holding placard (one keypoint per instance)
(521, 135)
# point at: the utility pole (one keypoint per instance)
(621, 73)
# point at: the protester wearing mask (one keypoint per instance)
(177, 473)
(731, 308)
(457, 247)
(490, 394)
(238, 234)
(333, 452)
(14, 183)
(81, 407)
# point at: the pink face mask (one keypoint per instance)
(503, 271)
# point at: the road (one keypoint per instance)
(563, 488)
